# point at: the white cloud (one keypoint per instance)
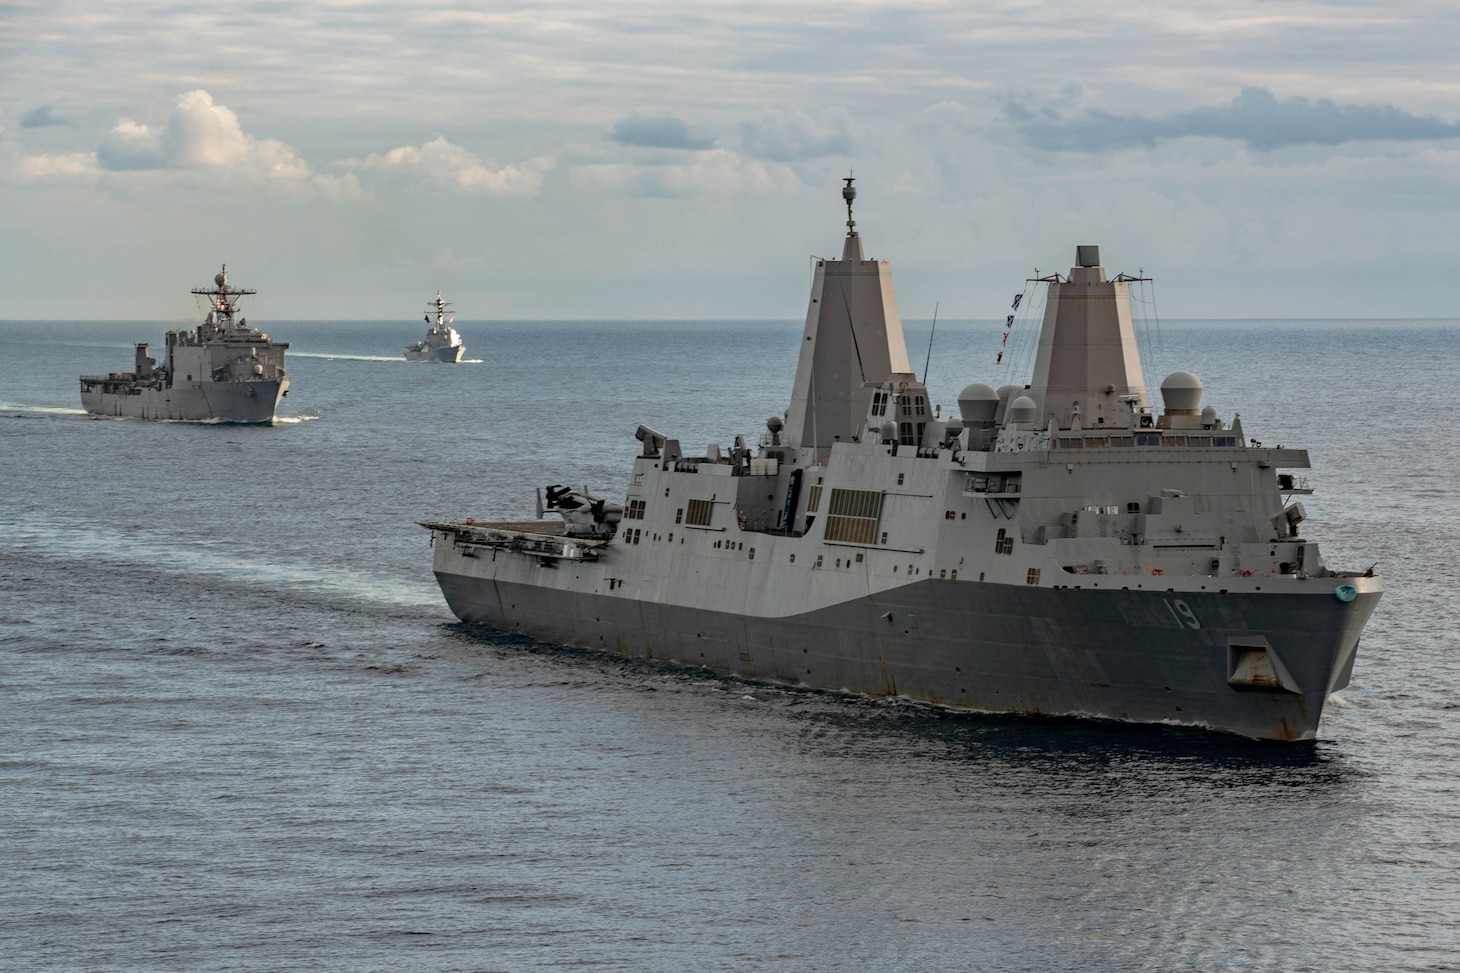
(962, 180)
(65, 165)
(202, 135)
(945, 112)
(709, 173)
(441, 162)
(130, 145)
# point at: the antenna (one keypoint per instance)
(849, 193)
(930, 343)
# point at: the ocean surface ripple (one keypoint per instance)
(239, 729)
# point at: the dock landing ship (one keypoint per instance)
(223, 370)
(1062, 548)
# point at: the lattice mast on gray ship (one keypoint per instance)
(222, 370)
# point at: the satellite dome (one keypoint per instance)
(220, 279)
(1181, 391)
(889, 431)
(978, 403)
(1209, 416)
(1023, 409)
(774, 424)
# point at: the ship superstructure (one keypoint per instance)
(442, 342)
(1062, 547)
(222, 370)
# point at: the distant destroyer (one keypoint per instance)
(223, 371)
(442, 343)
(1062, 548)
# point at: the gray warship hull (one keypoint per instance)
(221, 371)
(237, 402)
(1060, 548)
(442, 343)
(449, 356)
(1114, 653)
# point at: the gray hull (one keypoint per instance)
(241, 402)
(1059, 549)
(1123, 655)
(450, 356)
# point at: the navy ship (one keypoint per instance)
(1063, 547)
(442, 343)
(223, 370)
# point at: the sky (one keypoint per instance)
(647, 160)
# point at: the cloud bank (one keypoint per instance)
(1255, 117)
(439, 161)
(715, 172)
(198, 136)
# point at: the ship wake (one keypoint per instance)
(16, 410)
(133, 550)
(331, 356)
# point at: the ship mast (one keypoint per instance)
(852, 341)
(1087, 367)
(224, 299)
(440, 307)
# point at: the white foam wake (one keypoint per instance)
(38, 535)
(329, 356)
(20, 409)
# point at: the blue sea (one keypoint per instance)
(240, 730)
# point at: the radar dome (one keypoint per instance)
(1209, 416)
(978, 403)
(220, 279)
(1023, 409)
(1181, 391)
(889, 431)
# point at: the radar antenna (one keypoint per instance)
(223, 299)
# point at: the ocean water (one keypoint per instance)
(239, 729)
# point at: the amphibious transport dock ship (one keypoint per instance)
(1062, 548)
(442, 343)
(223, 370)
